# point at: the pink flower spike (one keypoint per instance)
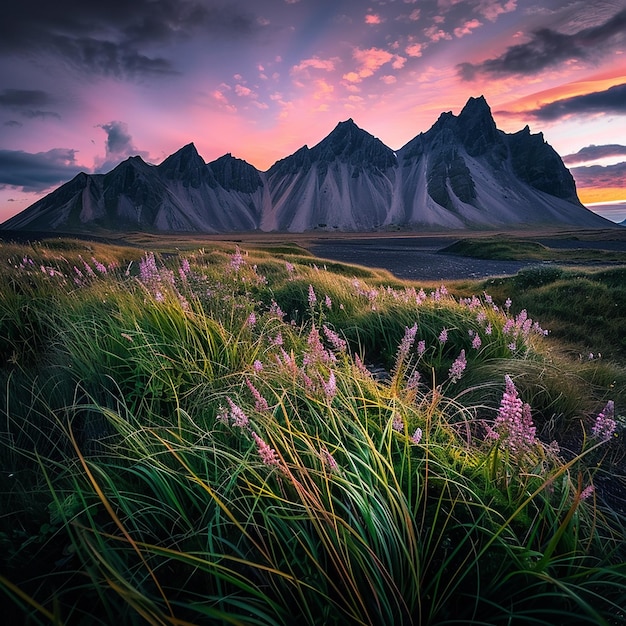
(458, 367)
(604, 426)
(397, 423)
(240, 419)
(267, 453)
(586, 492)
(417, 436)
(476, 342)
(330, 388)
(260, 403)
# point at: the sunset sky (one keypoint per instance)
(84, 85)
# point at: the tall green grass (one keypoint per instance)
(188, 440)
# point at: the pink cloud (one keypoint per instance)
(323, 89)
(414, 50)
(436, 34)
(467, 28)
(491, 9)
(352, 77)
(370, 60)
(243, 91)
(389, 79)
(373, 18)
(315, 63)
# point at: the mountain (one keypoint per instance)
(462, 173)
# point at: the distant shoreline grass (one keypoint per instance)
(236, 434)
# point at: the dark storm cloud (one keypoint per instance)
(613, 100)
(13, 123)
(593, 152)
(600, 176)
(115, 37)
(17, 98)
(549, 48)
(110, 59)
(23, 101)
(37, 171)
(118, 146)
(119, 140)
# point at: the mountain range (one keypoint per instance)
(462, 173)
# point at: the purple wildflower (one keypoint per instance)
(257, 366)
(290, 268)
(406, 343)
(260, 403)
(101, 268)
(397, 423)
(513, 426)
(361, 366)
(312, 296)
(251, 321)
(237, 415)
(605, 424)
(330, 388)
(413, 381)
(317, 353)
(458, 367)
(185, 267)
(287, 361)
(268, 454)
(338, 344)
(276, 310)
(236, 260)
(87, 267)
(443, 336)
(417, 436)
(421, 347)
(476, 342)
(328, 303)
(148, 271)
(586, 492)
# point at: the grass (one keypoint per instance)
(505, 249)
(236, 436)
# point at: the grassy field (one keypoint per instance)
(215, 434)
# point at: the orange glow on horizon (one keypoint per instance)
(589, 195)
(569, 90)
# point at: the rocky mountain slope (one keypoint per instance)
(462, 173)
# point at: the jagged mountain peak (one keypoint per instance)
(187, 166)
(463, 172)
(235, 174)
(349, 143)
(185, 156)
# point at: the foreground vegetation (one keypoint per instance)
(243, 437)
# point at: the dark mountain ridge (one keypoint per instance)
(461, 173)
